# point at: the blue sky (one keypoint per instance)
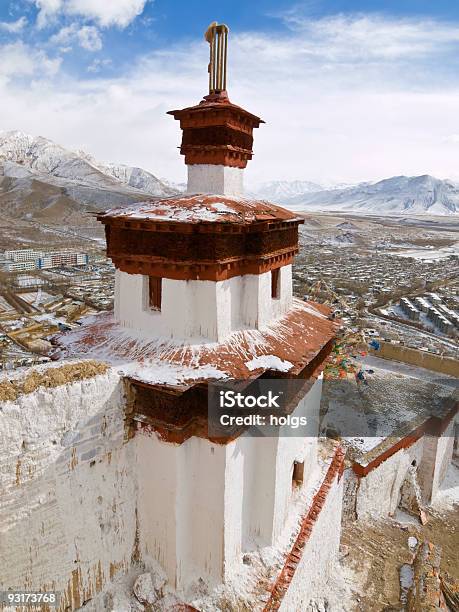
(350, 90)
(161, 23)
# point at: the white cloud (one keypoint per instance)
(20, 60)
(350, 38)
(106, 13)
(48, 9)
(98, 64)
(88, 37)
(359, 114)
(13, 27)
(115, 12)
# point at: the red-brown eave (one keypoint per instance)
(199, 209)
(298, 338)
(215, 105)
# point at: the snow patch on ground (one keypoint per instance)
(429, 253)
(364, 444)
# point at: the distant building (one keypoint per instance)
(20, 266)
(62, 258)
(24, 280)
(29, 259)
(409, 309)
(23, 255)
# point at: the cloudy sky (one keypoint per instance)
(350, 90)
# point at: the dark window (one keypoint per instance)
(154, 292)
(298, 473)
(275, 283)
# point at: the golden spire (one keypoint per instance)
(217, 37)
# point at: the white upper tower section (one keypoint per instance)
(201, 267)
(210, 179)
(209, 263)
(217, 135)
(202, 310)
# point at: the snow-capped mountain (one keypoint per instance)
(46, 158)
(35, 169)
(44, 182)
(136, 178)
(399, 195)
(279, 191)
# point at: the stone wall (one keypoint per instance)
(378, 492)
(437, 455)
(67, 508)
(422, 359)
(82, 503)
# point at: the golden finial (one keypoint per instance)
(217, 37)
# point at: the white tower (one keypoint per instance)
(203, 293)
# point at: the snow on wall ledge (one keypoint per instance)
(67, 509)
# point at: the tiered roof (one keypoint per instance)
(205, 237)
(288, 345)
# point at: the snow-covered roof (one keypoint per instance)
(202, 209)
(289, 344)
(212, 103)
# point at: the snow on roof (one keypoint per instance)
(289, 344)
(269, 362)
(202, 208)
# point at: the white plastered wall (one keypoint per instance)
(202, 309)
(180, 508)
(378, 493)
(68, 489)
(202, 505)
(265, 466)
(310, 585)
(437, 455)
(301, 449)
(445, 445)
(218, 180)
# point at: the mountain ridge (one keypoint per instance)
(42, 181)
(398, 195)
(46, 158)
(34, 164)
